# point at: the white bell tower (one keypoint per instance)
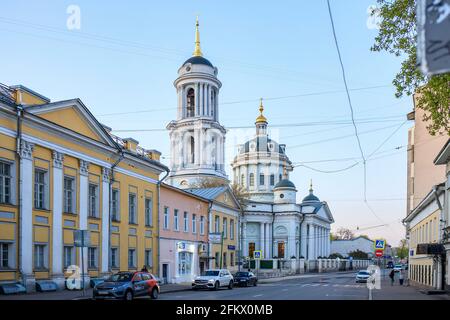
(197, 140)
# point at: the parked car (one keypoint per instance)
(213, 279)
(398, 267)
(244, 278)
(127, 285)
(390, 265)
(362, 276)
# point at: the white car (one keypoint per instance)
(214, 279)
(362, 276)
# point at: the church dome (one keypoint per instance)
(285, 183)
(198, 60)
(311, 197)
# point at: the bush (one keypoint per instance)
(293, 257)
(335, 255)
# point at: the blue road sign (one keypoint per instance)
(379, 244)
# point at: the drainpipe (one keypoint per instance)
(208, 228)
(441, 285)
(300, 240)
(273, 221)
(158, 185)
(19, 110)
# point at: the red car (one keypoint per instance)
(127, 285)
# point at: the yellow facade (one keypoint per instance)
(65, 142)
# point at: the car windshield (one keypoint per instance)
(363, 273)
(398, 265)
(211, 273)
(242, 274)
(121, 277)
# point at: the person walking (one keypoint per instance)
(392, 276)
(400, 278)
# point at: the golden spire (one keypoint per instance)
(197, 51)
(261, 117)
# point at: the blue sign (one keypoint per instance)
(231, 247)
(379, 244)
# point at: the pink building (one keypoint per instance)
(183, 235)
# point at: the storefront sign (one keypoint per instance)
(231, 247)
(215, 237)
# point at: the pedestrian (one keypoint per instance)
(144, 269)
(392, 276)
(400, 278)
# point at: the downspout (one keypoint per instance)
(158, 185)
(19, 110)
(209, 228)
(300, 240)
(441, 285)
(273, 221)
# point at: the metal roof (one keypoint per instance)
(207, 193)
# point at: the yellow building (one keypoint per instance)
(60, 171)
(424, 232)
(223, 219)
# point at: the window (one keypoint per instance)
(185, 222)
(148, 212)
(148, 258)
(68, 256)
(114, 257)
(231, 259)
(242, 179)
(252, 179)
(184, 263)
(40, 261)
(272, 179)
(93, 200)
(132, 208)
(217, 259)
(194, 223)
(40, 189)
(232, 229)
(202, 225)
(261, 179)
(280, 177)
(5, 182)
(166, 218)
(216, 224)
(175, 220)
(224, 227)
(251, 249)
(224, 261)
(190, 103)
(6, 253)
(115, 205)
(131, 258)
(69, 195)
(92, 258)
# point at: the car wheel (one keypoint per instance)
(255, 284)
(128, 295)
(216, 285)
(230, 285)
(246, 283)
(154, 294)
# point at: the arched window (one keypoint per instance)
(190, 103)
(252, 179)
(192, 144)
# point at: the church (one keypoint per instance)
(271, 221)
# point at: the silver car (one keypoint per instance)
(213, 279)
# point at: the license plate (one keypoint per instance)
(103, 293)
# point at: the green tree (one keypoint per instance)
(398, 35)
(358, 254)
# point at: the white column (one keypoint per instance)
(311, 242)
(200, 110)
(57, 229)
(83, 204)
(105, 219)
(267, 239)
(244, 241)
(26, 221)
(261, 236)
(197, 99)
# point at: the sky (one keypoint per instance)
(122, 61)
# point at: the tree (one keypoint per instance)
(397, 35)
(358, 254)
(402, 249)
(335, 256)
(343, 234)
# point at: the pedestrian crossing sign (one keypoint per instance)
(257, 254)
(379, 244)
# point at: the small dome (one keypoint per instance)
(285, 183)
(198, 60)
(311, 197)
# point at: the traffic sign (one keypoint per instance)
(380, 244)
(379, 253)
(257, 254)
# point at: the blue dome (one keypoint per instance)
(311, 197)
(285, 183)
(198, 60)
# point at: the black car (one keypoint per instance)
(127, 285)
(244, 278)
(390, 265)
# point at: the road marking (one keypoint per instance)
(315, 285)
(325, 285)
(284, 289)
(258, 295)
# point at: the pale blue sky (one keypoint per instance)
(126, 55)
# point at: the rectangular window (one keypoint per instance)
(224, 261)
(194, 223)
(185, 222)
(216, 224)
(148, 212)
(115, 205)
(217, 259)
(69, 195)
(252, 179)
(148, 258)
(5, 182)
(131, 258)
(132, 208)
(114, 258)
(280, 177)
(202, 225)
(92, 258)
(224, 228)
(5, 251)
(272, 179)
(231, 259)
(232, 229)
(40, 189)
(69, 256)
(93, 200)
(175, 220)
(261, 179)
(40, 261)
(166, 218)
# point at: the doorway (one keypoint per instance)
(165, 271)
(281, 248)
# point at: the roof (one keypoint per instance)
(207, 193)
(443, 156)
(29, 91)
(316, 205)
(285, 183)
(429, 198)
(262, 144)
(168, 186)
(198, 60)
(311, 198)
(353, 239)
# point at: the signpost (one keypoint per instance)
(433, 41)
(82, 239)
(257, 254)
(379, 253)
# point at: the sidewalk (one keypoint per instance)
(398, 292)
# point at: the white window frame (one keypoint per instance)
(194, 223)
(148, 257)
(45, 190)
(132, 210)
(217, 224)
(93, 201)
(69, 251)
(231, 229)
(202, 225)
(11, 180)
(133, 258)
(176, 226)
(90, 264)
(166, 218)
(185, 221)
(148, 203)
(40, 263)
(115, 261)
(10, 259)
(73, 192)
(225, 227)
(115, 205)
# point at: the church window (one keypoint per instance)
(190, 106)
(261, 179)
(252, 179)
(243, 180)
(272, 179)
(192, 155)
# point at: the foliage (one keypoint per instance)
(335, 255)
(358, 254)
(343, 234)
(397, 35)
(402, 250)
